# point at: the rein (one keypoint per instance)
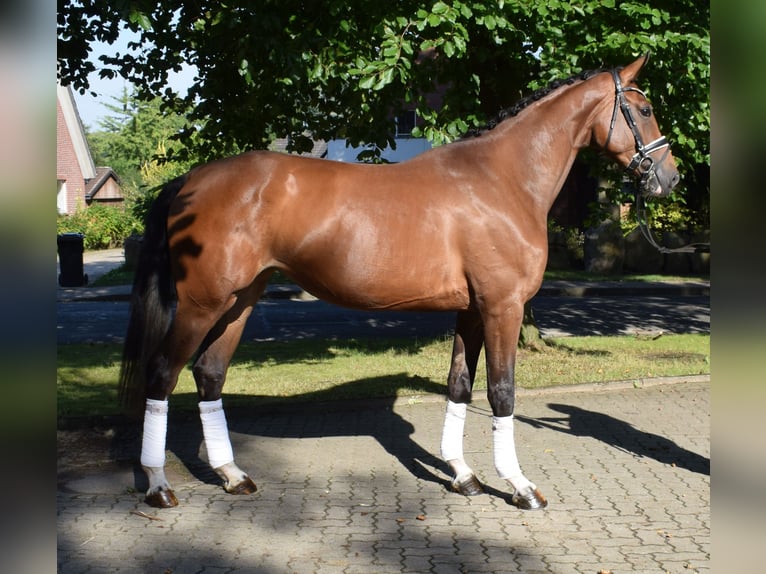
(644, 164)
(647, 232)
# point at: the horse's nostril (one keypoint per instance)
(675, 179)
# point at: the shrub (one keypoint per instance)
(103, 226)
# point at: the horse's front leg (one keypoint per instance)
(162, 375)
(501, 338)
(465, 355)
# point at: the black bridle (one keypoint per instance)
(642, 163)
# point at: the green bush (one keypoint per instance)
(103, 226)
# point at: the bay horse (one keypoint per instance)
(461, 227)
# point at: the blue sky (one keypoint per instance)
(92, 108)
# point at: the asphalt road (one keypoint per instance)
(106, 321)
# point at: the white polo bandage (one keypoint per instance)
(216, 433)
(155, 433)
(452, 434)
(504, 445)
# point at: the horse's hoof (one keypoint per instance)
(529, 499)
(469, 486)
(247, 486)
(162, 499)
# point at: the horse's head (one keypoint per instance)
(631, 135)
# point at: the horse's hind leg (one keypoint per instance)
(163, 370)
(465, 355)
(210, 374)
(210, 370)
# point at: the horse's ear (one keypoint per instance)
(630, 72)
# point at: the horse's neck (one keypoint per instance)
(544, 139)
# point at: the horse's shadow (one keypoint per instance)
(621, 435)
(376, 418)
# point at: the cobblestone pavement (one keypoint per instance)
(625, 471)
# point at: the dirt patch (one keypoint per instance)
(85, 449)
(106, 459)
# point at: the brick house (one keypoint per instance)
(78, 181)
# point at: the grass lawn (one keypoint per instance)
(326, 370)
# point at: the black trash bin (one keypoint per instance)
(71, 248)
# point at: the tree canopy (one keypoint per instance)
(135, 140)
(342, 70)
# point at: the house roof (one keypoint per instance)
(76, 131)
(93, 186)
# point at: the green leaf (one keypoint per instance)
(140, 19)
(461, 41)
(440, 8)
(385, 78)
(367, 82)
(391, 51)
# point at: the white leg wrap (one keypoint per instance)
(216, 433)
(506, 461)
(155, 432)
(452, 434)
(452, 439)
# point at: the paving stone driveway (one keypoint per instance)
(625, 470)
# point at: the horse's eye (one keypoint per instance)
(646, 111)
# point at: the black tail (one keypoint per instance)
(151, 304)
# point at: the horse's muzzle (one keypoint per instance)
(656, 183)
(656, 178)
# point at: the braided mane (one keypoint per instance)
(527, 100)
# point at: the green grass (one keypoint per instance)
(119, 276)
(328, 370)
(578, 275)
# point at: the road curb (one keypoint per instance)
(641, 383)
(653, 289)
(346, 405)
